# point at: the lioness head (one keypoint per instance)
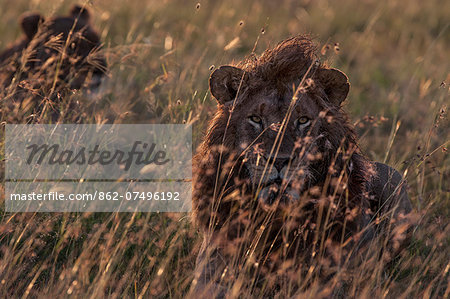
(62, 49)
(284, 120)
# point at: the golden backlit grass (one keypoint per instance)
(160, 55)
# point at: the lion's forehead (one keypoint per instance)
(275, 105)
(66, 25)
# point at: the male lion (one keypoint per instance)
(54, 56)
(280, 184)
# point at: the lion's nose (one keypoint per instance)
(279, 163)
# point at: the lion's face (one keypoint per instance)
(272, 138)
(80, 45)
(279, 138)
(65, 49)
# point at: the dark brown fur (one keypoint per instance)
(54, 56)
(280, 67)
(333, 204)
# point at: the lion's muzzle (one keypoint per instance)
(280, 179)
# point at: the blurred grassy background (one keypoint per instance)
(161, 53)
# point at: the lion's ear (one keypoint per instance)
(81, 13)
(30, 24)
(335, 84)
(224, 83)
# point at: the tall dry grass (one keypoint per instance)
(160, 55)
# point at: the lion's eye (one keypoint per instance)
(303, 121)
(256, 119)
